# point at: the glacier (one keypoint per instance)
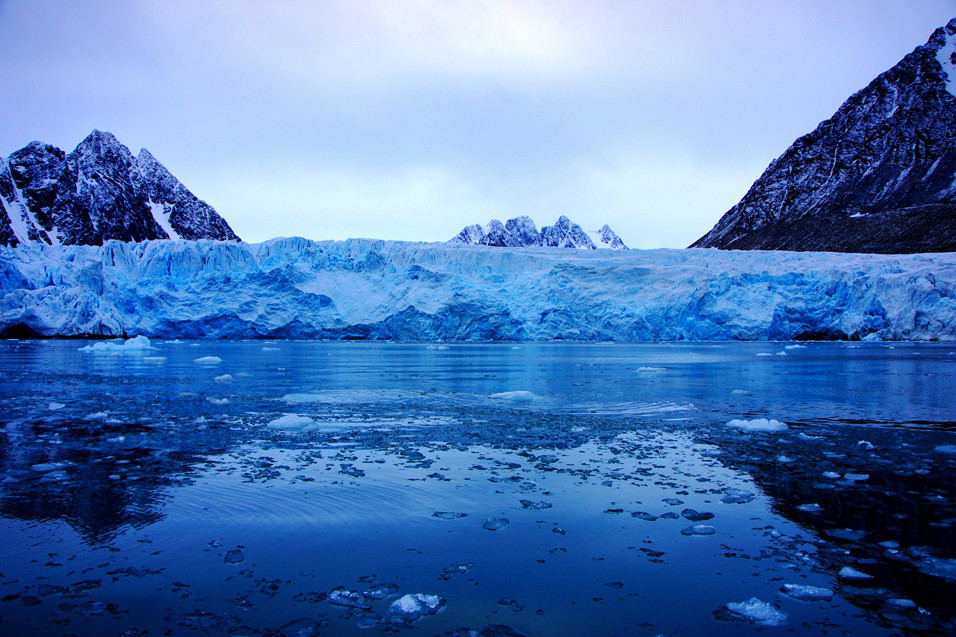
(373, 289)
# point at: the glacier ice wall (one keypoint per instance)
(295, 288)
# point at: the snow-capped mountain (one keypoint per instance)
(96, 193)
(367, 289)
(878, 176)
(521, 232)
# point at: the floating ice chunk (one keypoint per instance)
(848, 572)
(155, 359)
(409, 608)
(950, 449)
(889, 544)
(832, 475)
(696, 516)
(292, 422)
(208, 360)
(644, 515)
(938, 567)
(305, 627)
(225, 378)
(780, 353)
(807, 593)
(810, 508)
(438, 347)
(136, 344)
(856, 477)
(99, 415)
(866, 445)
(217, 401)
(753, 610)
(270, 349)
(380, 591)
(698, 529)
(758, 424)
(901, 602)
(782, 459)
(740, 392)
(298, 399)
(535, 505)
(495, 524)
(736, 496)
(449, 515)
(349, 599)
(764, 354)
(235, 556)
(46, 467)
(651, 370)
(514, 396)
(55, 406)
(796, 346)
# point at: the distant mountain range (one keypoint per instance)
(98, 192)
(521, 232)
(878, 176)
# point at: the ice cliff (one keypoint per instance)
(295, 288)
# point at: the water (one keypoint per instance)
(298, 488)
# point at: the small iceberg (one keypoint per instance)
(135, 345)
(208, 360)
(514, 396)
(292, 422)
(758, 424)
(754, 611)
(807, 593)
(409, 608)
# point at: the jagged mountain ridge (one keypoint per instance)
(878, 176)
(520, 232)
(98, 192)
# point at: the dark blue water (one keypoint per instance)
(147, 493)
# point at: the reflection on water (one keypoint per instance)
(293, 488)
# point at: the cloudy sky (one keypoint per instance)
(410, 119)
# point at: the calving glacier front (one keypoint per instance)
(295, 288)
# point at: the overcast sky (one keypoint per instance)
(411, 119)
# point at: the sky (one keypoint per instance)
(410, 119)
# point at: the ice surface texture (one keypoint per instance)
(295, 288)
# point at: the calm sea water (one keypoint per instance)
(300, 488)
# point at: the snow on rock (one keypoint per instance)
(758, 424)
(409, 608)
(295, 288)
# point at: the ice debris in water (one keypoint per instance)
(810, 508)
(736, 496)
(495, 524)
(535, 505)
(696, 516)
(856, 477)
(208, 360)
(55, 406)
(848, 572)
(651, 370)
(832, 475)
(644, 515)
(413, 606)
(699, 529)
(305, 627)
(292, 422)
(133, 345)
(225, 378)
(449, 515)
(235, 556)
(758, 424)
(381, 591)
(514, 396)
(807, 593)
(349, 599)
(950, 449)
(901, 602)
(752, 610)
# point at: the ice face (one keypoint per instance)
(294, 288)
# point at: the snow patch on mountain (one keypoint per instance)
(295, 288)
(947, 56)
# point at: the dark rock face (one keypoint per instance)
(521, 232)
(877, 177)
(98, 192)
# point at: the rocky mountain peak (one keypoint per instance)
(95, 193)
(878, 176)
(520, 232)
